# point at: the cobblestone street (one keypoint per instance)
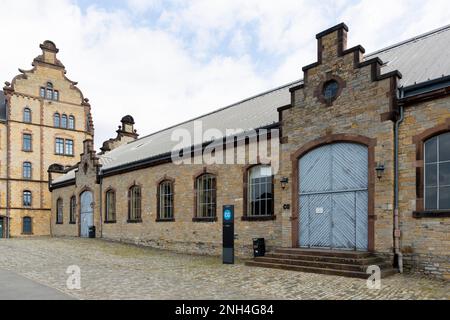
(118, 271)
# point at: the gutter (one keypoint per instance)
(398, 257)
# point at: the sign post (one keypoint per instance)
(228, 234)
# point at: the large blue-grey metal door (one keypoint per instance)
(334, 197)
(87, 213)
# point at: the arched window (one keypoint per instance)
(165, 200)
(260, 192)
(59, 211)
(73, 210)
(27, 170)
(27, 115)
(56, 120)
(64, 121)
(27, 226)
(110, 206)
(437, 172)
(71, 122)
(49, 91)
(134, 204)
(27, 198)
(205, 187)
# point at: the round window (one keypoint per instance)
(330, 90)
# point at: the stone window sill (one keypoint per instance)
(259, 219)
(60, 223)
(135, 221)
(431, 214)
(72, 222)
(27, 234)
(165, 220)
(112, 222)
(204, 219)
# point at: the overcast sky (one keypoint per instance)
(165, 62)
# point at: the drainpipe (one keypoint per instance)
(397, 233)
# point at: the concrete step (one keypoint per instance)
(323, 264)
(343, 273)
(341, 260)
(324, 253)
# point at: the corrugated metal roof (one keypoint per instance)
(2, 106)
(418, 59)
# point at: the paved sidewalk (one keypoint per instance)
(15, 287)
(118, 271)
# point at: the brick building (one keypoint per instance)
(358, 160)
(44, 119)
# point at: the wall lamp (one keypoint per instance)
(284, 182)
(380, 170)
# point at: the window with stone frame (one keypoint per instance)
(56, 120)
(71, 123)
(73, 210)
(27, 115)
(134, 204)
(206, 205)
(59, 211)
(69, 147)
(27, 142)
(48, 92)
(110, 206)
(27, 170)
(165, 200)
(260, 192)
(27, 199)
(27, 226)
(64, 121)
(437, 172)
(59, 146)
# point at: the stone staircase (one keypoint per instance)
(339, 263)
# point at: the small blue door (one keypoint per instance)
(87, 213)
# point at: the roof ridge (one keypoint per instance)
(413, 39)
(219, 110)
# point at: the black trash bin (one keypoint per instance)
(259, 247)
(92, 232)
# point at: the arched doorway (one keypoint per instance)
(334, 197)
(86, 213)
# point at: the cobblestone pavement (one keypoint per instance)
(118, 271)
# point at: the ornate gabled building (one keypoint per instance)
(362, 171)
(44, 119)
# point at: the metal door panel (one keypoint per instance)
(320, 221)
(362, 221)
(304, 221)
(350, 167)
(315, 170)
(344, 233)
(87, 214)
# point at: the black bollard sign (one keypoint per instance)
(228, 234)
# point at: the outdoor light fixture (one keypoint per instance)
(380, 170)
(284, 183)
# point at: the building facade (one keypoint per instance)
(44, 119)
(357, 158)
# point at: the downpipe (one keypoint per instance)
(398, 258)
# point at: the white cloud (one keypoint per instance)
(198, 55)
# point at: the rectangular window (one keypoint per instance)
(42, 92)
(69, 147)
(134, 204)
(73, 208)
(206, 196)
(110, 215)
(260, 192)
(27, 145)
(27, 170)
(166, 200)
(49, 94)
(56, 95)
(59, 146)
(437, 173)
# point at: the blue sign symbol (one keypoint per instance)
(227, 215)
